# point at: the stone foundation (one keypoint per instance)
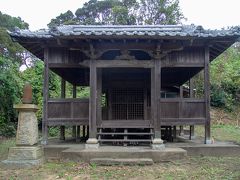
(24, 156)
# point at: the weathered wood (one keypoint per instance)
(83, 64)
(182, 108)
(191, 88)
(62, 133)
(190, 57)
(191, 132)
(74, 94)
(191, 95)
(180, 104)
(182, 121)
(99, 96)
(84, 131)
(153, 108)
(45, 97)
(68, 108)
(93, 100)
(124, 63)
(126, 124)
(157, 120)
(63, 95)
(78, 134)
(145, 100)
(207, 95)
(74, 131)
(67, 122)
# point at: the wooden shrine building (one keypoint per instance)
(135, 74)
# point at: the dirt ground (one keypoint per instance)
(190, 168)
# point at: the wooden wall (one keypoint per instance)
(68, 111)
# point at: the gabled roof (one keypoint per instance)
(127, 30)
(217, 40)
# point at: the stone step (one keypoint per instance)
(120, 152)
(121, 161)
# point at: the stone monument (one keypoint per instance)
(27, 152)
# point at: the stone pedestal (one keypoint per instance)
(92, 143)
(27, 152)
(157, 144)
(24, 156)
(27, 130)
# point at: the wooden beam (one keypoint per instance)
(125, 63)
(185, 65)
(45, 97)
(207, 95)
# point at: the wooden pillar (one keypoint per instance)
(93, 100)
(99, 96)
(84, 132)
(78, 134)
(207, 96)
(174, 132)
(181, 130)
(74, 94)
(45, 97)
(155, 103)
(63, 95)
(191, 95)
(87, 131)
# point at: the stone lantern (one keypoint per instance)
(27, 152)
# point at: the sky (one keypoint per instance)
(211, 14)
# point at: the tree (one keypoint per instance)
(64, 18)
(10, 22)
(160, 12)
(123, 12)
(7, 47)
(10, 93)
(225, 79)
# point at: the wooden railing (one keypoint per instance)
(185, 111)
(68, 112)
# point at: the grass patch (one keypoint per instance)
(222, 132)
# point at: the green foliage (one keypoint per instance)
(123, 12)
(10, 22)
(225, 79)
(11, 57)
(7, 47)
(34, 75)
(64, 18)
(160, 12)
(10, 85)
(53, 131)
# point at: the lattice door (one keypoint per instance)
(127, 103)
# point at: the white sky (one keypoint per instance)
(208, 13)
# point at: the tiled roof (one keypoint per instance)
(131, 30)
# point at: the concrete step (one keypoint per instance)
(119, 152)
(121, 161)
